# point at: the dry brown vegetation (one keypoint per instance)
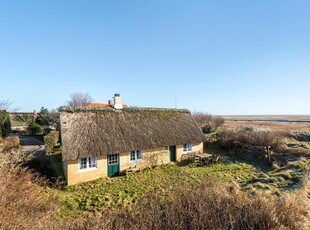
(251, 137)
(27, 203)
(208, 205)
(276, 126)
(9, 143)
(207, 122)
(286, 137)
(23, 203)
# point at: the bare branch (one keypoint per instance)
(5, 105)
(79, 99)
(207, 122)
(27, 118)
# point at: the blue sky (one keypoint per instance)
(221, 57)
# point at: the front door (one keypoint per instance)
(113, 164)
(172, 153)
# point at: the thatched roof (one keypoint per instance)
(90, 131)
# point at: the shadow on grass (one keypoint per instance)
(49, 167)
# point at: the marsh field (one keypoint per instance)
(285, 122)
(242, 191)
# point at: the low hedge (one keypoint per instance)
(51, 140)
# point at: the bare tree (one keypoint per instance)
(202, 119)
(207, 122)
(79, 99)
(217, 122)
(6, 105)
(26, 118)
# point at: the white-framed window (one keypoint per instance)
(135, 155)
(187, 148)
(87, 163)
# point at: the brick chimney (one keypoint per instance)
(117, 101)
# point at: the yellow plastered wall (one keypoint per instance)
(74, 176)
(150, 157)
(196, 147)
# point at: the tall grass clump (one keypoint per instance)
(249, 136)
(208, 205)
(24, 203)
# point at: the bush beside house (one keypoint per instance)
(5, 123)
(207, 122)
(35, 129)
(50, 141)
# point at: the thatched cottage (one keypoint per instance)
(106, 141)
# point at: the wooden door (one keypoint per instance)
(113, 164)
(172, 151)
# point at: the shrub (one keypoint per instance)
(35, 128)
(251, 137)
(50, 141)
(207, 122)
(23, 204)
(5, 123)
(10, 143)
(45, 118)
(46, 131)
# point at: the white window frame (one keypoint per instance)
(135, 152)
(187, 148)
(91, 164)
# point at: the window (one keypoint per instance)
(135, 155)
(113, 159)
(92, 162)
(166, 147)
(87, 163)
(187, 147)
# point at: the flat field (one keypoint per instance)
(294, 123)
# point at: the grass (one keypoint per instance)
(55, 161)
(172, 196)
(125, 191)
(18, 123)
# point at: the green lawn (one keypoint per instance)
(55, 161)
(18, 123)
(124, 191)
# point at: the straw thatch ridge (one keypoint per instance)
(98, 131)
(92, 109)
